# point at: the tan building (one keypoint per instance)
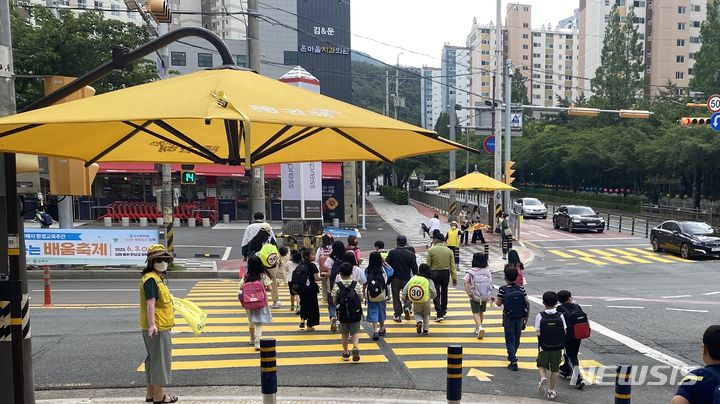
(518, 39)
(481, 43)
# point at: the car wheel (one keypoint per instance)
(571, 228)
(655, 245)
(685, 251)
(555, 224)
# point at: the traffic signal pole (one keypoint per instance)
(453, 154)
(257, 186)
(508, 100)
(496, 99)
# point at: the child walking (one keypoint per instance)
(516, 308)
(479, 288)
(376, 291)
(420, 289)
(550, 326)
(291, 261)
(347, 297)
(253, 297)
(304, 282)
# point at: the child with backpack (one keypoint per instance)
(291, 261)
(376, 291)
(347, 297)
(578, 328)
(304, 282)
(550, 326)
(321, 255)
(479, 288)
(253, 297)
(420, 289)
(516, 308)
(514, 262)
(352, 245)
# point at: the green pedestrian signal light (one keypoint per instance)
(187, 177)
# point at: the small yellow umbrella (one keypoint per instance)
(208, 116)
(476, 181)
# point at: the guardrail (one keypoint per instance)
(678, 213)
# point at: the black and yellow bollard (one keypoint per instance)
(623, 385)
(454, 373)
(268, 370)
(486, 250)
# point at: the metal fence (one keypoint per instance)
(680, 213)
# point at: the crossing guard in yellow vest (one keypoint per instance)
(453, 241)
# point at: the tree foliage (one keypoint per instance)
(519, 89)
(71, 45)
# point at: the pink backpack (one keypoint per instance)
(253, 295)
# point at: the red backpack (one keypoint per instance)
(323, 257)
(253, 295)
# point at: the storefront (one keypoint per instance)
(225, 187)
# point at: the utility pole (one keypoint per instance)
(16, 374)
(508, 117)
(387, 93)
(497, 91)
(453, 153)
(257, 187)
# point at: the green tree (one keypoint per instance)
(619, 80)
(519, 89)
(72, 45)
(706, 73)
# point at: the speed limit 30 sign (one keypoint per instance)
(713, 103)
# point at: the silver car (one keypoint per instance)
(530, 207)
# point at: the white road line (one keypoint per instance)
(199, 246)
(688, 310)
(711, 293)
(633, 344)
(96, 290)
(626, 307)
(675, 297)
(602, 245)
(227, 253)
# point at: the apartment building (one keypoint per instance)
(554, 66)
(483, 62)
(431, 104)
(455, 74)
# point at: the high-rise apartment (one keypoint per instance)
(430, 96)
(554, 66)
(455, 73)
(483, 62)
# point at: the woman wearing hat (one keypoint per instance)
(453, 240)
(157, 318)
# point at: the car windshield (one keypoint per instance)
(580, 210)
(531, 202)
(698, 228)
(430, 187)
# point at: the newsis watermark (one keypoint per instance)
(657, 375)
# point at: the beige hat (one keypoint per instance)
(157, 251)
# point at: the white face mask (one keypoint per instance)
(160, 266)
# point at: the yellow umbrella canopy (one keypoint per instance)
(476, 181)
(206, 116)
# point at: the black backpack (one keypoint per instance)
(47, 220)
(578, 326)
(299, 280)
(515, 305)
(335, 270)
(376, 286)
(348, 305)
(716, 391)
(552, 332)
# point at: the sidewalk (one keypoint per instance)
(287, 395)
(406, 219)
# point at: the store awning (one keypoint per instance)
(331, 171)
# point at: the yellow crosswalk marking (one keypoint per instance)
(443, 340)
(600, 252)
(281, 361)
(561, 254)
(522, 352)
(442, 363)
(615, 260)
(436, 329)
(244, 328)
(592, 261)
(582, 253)
(242, 339)
(649, 255)
(447, 322)
(629, 256)
(280, 349)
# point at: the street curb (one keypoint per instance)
(66, 274)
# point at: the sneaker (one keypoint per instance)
(564, 376)
(292, 308)
(481, 333)
(297, 312)
(356, 354)
(257, 345)
(542, 386)
(425, 332)
(397, 319)
(439, 318)
(551, 394)
(376, 336)
(382, 332)
(580, 384)
(302, 325)
(346, 356)
(276, 305)
(333, 325)
(407, 314)
(513, 366)
(418, 327)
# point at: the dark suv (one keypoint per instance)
(574, 217)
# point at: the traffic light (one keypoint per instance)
(509, 170)
(187, 174)
(686, 121)
(160, 10)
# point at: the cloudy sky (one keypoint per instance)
(423, 26)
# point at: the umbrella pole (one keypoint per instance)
(364, 192)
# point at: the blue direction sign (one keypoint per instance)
(489, 144)
(715, 121)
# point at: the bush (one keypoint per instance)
(595, 200)
(398, 196)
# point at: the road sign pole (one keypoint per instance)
(508, 123)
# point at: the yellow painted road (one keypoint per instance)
(619, 255)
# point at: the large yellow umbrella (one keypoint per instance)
(476, 181)
(206, 117)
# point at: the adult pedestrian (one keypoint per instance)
(252, 231)
(506, 235)
(404, 264)
(514, 262)
(700, 385)
(309, 309)
(157, 318)
(442, 264)
(464, 219)
(452, 238)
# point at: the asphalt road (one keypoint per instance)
(650, 309)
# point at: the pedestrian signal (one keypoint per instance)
(187, 177)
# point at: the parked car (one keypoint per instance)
(574, 217)
(688, 238)
(530, 207)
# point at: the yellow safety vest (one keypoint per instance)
(164, 312)
(418, 289)
(453, 238)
